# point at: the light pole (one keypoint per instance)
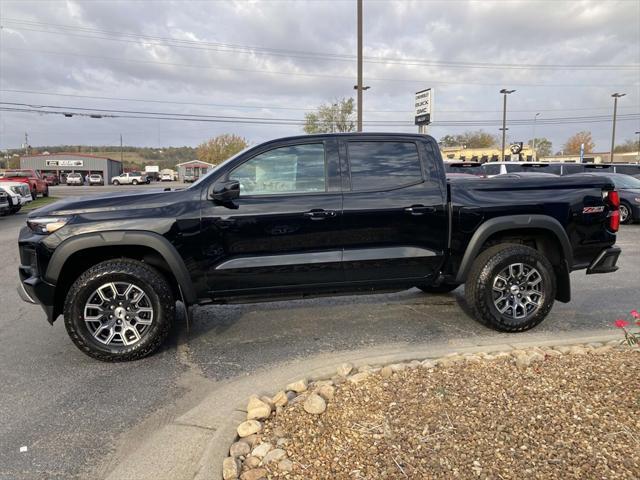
(535, 117)
(359, 86)
(504, 92)
(615, 96)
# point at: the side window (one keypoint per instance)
(292, 169)
(383, 165)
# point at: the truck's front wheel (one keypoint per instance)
(511, 288)
(119, 310)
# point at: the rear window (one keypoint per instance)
(571, 168)
(383, 165)
(490, 169)
(471, 168)
(533, 167)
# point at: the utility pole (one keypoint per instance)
(504, 92)
(121, 149)
(359, 86)
(535, 117)
(615, 96)
(26, 143)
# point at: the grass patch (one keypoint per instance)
(39, 202)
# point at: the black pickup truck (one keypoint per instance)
(313, 215)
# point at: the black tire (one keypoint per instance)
(116, 182)
(46, 192)
(134, 182)
(442, 288)
(629, 215)
(479, 288)
(143, 276)
(34, 194)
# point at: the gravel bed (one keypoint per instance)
(572, 413)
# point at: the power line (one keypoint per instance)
(72, 30)
(104, 113)
(279, 107)
(313, 75)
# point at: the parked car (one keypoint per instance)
(18, 195)
(52, 180)
(314, 215)
(189, 178)
(37, 186)
(5, 208)
(166, 177)
(96, 179)
(628, 188)
(75, 179)
(130, 178)
(473, 168)
(500, 168)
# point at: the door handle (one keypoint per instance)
(419, 209)
(320, 214)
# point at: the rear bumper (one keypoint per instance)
(605, 262)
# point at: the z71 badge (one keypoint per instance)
(593, 210)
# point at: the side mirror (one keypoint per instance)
(225, 192)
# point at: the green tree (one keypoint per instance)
(337, 117)
(219, 148)
(572, 145)
(628, 146)
(477, 139)
(543, 146)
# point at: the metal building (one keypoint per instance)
(61, 164)
(192, 170)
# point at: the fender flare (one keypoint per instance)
(514, 222)
(123, 238)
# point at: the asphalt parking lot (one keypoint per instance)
(62, 191)
(73, 413)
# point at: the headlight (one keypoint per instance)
(637, 199)
(46, 225)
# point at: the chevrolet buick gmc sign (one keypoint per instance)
(423, 107)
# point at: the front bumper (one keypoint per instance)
(37, 291)
(605, 262)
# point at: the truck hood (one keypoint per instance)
(108, 202)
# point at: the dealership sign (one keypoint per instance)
(423, 103)
(64, 163)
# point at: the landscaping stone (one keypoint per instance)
(285, 465)
(359, 377)
(257, 409)
(261, 450)
(386, 372)
(299, 386)
(315, 404)
(274, 455)
(251, 462)
(249, 427)
(254, 474)
(230, 468)
(345, 369)
(280, 399)
(326, 391)
(239, 449)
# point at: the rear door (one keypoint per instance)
(394, 215)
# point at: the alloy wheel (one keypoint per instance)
(118, 314)
(518, 291)
(624, 213)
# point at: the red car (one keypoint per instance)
(52, 180)
(36, 184)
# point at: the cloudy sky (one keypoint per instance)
(263, 62)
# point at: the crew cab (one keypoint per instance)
(130, 178)
(37, 186)
(314, 215)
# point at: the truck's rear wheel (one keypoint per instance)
(119, 310)
(442, 288)
(511, 288)
(46, 191)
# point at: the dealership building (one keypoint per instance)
(61, 164)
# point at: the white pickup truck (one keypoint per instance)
(130, 178)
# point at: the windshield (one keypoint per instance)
(217, 167)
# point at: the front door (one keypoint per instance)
(284, 230)
(394, 215)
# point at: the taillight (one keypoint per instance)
(613, 200)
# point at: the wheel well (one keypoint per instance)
(82, 260)
(540, 239)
